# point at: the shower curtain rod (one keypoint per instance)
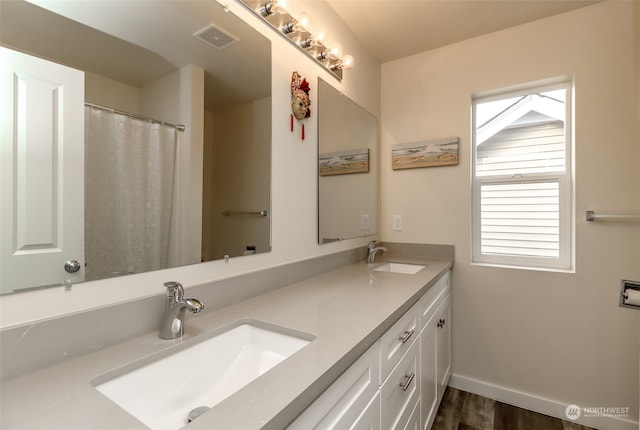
(179, 127)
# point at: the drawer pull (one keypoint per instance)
(406, 335)
(408, 378)
(441, 323)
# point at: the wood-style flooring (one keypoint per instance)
(460, 410)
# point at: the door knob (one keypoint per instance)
(72, 266)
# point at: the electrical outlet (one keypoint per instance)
(397, 223)
(364, 222)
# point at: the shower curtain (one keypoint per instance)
(129, 177)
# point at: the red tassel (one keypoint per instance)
(302, 131)
(291, 125)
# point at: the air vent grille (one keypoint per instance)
(215, 36)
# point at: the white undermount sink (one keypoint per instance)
(405, 268)
(163, 392)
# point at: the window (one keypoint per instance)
(522, 190)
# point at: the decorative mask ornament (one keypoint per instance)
(300, 102)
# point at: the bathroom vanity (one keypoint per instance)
(400, 380)
(383, 330)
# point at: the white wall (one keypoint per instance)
(541, 339)
(109, 93)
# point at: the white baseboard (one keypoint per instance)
(537, 404)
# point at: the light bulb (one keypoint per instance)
(347, 62)
(304, 20)
(336, 50)
(320, 37)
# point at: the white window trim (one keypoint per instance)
(566, 260)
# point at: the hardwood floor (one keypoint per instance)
(460, 410)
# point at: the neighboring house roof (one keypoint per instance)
(529, 109)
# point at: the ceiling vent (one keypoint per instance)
(215, 36)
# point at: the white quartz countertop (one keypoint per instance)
(345, 310)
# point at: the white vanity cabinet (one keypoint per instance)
(435, 347)
(399, 382)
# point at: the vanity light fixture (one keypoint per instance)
(271, 7)
(311, 40)
(297, 30)
(305, 43)
(345, 63)
(291, 27)
(323, 55)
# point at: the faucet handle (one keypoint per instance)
(372, 245)
(175, 292)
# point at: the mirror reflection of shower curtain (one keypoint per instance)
(129, 176)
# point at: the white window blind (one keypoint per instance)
(521, 192)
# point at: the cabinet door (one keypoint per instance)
(429, 302)
(428, 372)
(443, 335)
(343, 404)
(41, 171)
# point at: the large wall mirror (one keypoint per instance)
(347, 167)
(136, 47)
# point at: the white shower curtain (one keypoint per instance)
(129, 175)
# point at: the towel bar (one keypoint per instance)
(592, 216)
(259, 213)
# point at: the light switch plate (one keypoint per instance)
(365, 224)
(397, 223)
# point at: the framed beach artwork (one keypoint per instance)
(344, 162)
(426, 153)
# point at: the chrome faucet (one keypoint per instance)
(373, 249)
(172, 325)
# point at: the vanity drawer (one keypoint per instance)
(400, 393)
(349, 401)
(414, 419)
(429, 302)
(370, 418)
(397, 340)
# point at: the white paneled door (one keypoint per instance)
(41, 171)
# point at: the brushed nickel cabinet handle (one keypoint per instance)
(407, 381)
(406, 335)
